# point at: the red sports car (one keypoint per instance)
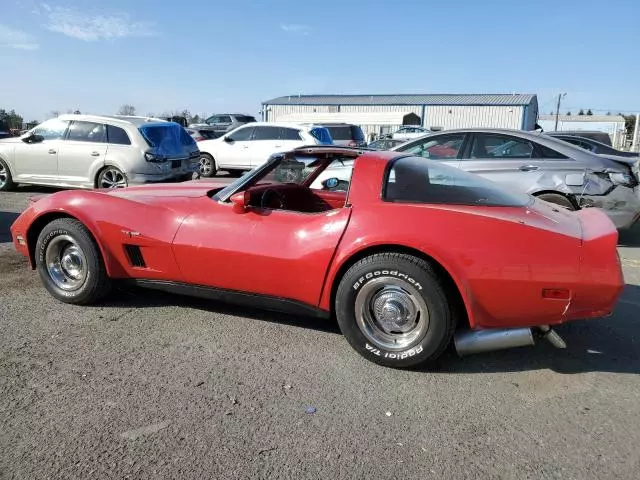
(414, 254)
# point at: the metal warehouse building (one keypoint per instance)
(382, 114)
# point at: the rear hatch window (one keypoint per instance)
(341, 133)
(245, 118)
(168, 139)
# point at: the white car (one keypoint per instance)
(91, 151)
(409, 132)
(251, 145)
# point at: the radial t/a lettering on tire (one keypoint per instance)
(69, 262)
(394, 310)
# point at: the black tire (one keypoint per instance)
(111, 177)
(558, 199)
(207, 165)
(95, 284)
(413, 275)
(6, 180)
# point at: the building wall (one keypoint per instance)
(473, 116)
(446, 117)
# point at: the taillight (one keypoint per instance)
(153, 158)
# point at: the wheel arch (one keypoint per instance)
(568, 196)
(38, 224)
(453, 285)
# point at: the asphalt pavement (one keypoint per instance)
(150, 385)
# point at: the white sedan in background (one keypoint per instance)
(409, 132)
(251, 145)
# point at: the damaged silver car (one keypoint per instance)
(540, 165)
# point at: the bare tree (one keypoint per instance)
(127, 110)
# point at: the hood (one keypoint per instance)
(160, 191)
(10, 140)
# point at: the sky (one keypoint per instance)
(217, 56)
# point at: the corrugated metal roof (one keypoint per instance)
(411, 99)
(584, 118)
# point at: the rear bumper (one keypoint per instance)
(186, 167)
(622, 205)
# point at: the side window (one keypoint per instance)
(443, 147)
(212, 119)
(546, 152)
(224, 119)
(265, 133)
(241, 134)
(52, 129)
(414, 180)
(289, 134)
(500, 146)
(87, 132)
(117, 136)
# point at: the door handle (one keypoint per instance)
(529, 168)
(278, 146)
(95, 154)
(52, 151)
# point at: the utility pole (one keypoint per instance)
(560, 95)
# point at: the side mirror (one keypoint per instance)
(240, 201)
(228, 139)
(33, 139)
(330, 183)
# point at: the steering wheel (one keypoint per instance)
(270, 196)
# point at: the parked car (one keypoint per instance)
(552, 170)
(499, 270)
(409, 132)
(225, 122)
(346, 134)
(90, 151)
(199, 134)
(251, 145)
(596, 135)
(384, 144)
(594, 146)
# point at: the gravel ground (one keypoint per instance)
(149, 385)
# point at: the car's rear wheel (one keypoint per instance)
(112, 177)
(558, 199)
(394, 310)
(207, 165)
(6, 181)
(69, 263)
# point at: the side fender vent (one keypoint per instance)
(135, 255)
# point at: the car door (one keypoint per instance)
(446, 148)
(82, 153)
(233, 149)
(37, 159)
(516, 162)
(265, 141)
(276, 253)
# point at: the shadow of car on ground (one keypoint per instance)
(600, 345)
(6, 219)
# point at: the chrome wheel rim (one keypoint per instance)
(3, 175)
(113, 178)
(66, 263)
(205, 165)
(391, 314)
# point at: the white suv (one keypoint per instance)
(89, 151)
(251, 145)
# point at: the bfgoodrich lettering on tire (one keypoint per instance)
(69, 263)
(394, 310)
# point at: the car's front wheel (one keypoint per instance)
(394, 310)
(69, 263)
(112, 177)
(207, 165)
(6, 182)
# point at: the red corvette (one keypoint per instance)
(414, 254)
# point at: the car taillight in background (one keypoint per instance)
(153, 158)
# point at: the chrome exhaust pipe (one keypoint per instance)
(470, 342)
